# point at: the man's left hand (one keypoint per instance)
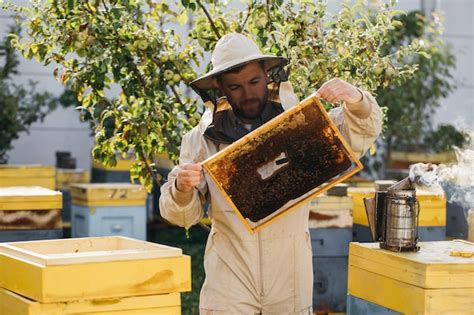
(337, 90)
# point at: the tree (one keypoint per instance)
(20, 106)
(131, 44)
(411, 105)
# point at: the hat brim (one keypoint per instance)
(208, 81)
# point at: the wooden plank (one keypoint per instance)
(66, 177)
(87, 250)
(443, 157)
(122, 165)
(305, 125)
(29, 198)
(30, 219)
(98, 280)
(406, 298)
(28, 171)
(108, 194)
(14, 304)
(110, 202)
(432, 267)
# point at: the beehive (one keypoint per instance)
(28, 175)
(15, 304)
(330, 212)
(28, 213)
(102, 268)
(119, 173)
(432, 216)
(66, 177)
(102, 209)
(435, 280)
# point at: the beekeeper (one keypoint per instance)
(269, 272)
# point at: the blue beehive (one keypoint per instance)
(108, 209)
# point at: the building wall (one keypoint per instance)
(63, 131)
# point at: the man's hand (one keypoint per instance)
(188, 177)
(337, 90)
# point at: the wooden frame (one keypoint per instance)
(236, 169)
(87, 250)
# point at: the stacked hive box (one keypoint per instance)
(432, 217)
(120, 173)
(108, 209)
(330, 226)
(29, 213)
(439, 279)
(27, 175)
(107, 275)
(64, 179)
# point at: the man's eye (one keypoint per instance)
(233, 87)
(254, 81)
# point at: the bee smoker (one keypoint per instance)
(393, 217)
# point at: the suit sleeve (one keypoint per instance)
(360, 133)
(180, 208)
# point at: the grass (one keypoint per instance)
(192, 246)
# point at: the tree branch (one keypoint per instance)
(213, 26)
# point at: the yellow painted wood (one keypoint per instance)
(48, 284)
(432, 206)
(87, 250)
(102, 194)
(29, 198)
(122, 165)
(14, 304)
(330, 218)
(443, 157)
(27, 175)
(66, 177)
(432, 267)
(408, 299)
(312, 100)
(15, 171)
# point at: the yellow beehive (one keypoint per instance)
(169, 304)
(470, 223)
(108, 194)
(30, 208)
(432, 206)
(66, 177)
(330, 211)
(27, 175)
(92, 268)
(435, 280)
(122, 165)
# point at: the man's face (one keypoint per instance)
(246, 90)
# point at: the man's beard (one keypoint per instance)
(251, 108)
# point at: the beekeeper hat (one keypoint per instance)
(231, 51)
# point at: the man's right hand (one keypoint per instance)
(189, 176)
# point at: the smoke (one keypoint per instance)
(456, 180)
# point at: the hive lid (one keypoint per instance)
(29, 198)
(108, 194)
(432, 267)
(282, 164)
(15, 171)
(86, 250)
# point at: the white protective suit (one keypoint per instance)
(269, 272)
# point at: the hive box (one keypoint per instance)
(92, 268)
(282, 164)
(28, 213)
(431, 281)
(163, 304)
(65, 177)
(28, 175)
(108, 209)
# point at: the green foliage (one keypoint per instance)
(130, 45)
(444, 138)
(20, 106)
(412, 104)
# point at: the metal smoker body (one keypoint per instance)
(393, 217)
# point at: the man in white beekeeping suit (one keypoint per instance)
(269, 272)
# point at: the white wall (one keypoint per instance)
(62, 130)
